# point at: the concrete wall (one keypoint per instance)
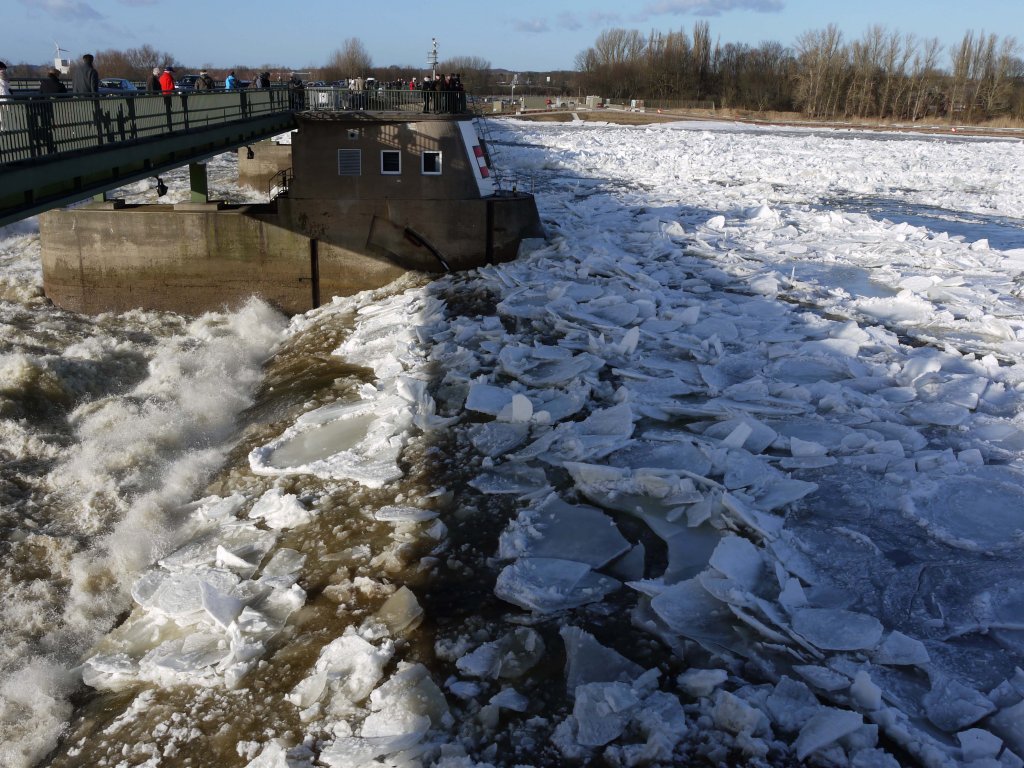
(191, 261)
(268, 160)
(195, 258)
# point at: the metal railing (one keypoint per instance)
(381, 100)
(42, 126)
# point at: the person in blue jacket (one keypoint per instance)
(231, 82)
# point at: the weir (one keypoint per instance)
(369, 194)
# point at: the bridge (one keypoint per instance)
(57, 150)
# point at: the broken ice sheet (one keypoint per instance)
(834, 629)
(279, 510)
(587, 661)
(826, 727)
(512, 478)
(510, 656)
(345, 673)
(547, 585)
(687, 609)
(358, 441)
(981, 510)
(553, 529)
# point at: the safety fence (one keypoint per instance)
(385, 100)
(42, 126)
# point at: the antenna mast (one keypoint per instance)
(432, 59)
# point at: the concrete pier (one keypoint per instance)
(370, 197)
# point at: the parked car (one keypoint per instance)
(117, 85)
(186, 83)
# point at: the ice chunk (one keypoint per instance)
(822, 677)
(345, 673)
(357, 441)
(518, 411)
(1009, 724)
(400, 612)
(280, 510)
(509, 698)
(978, 744)
(687, 609)
(700, 683)
(834, 629)
(826, 727)
(980, 510)
(516, 479)
(497, 438)
(552, 530)
(403, 514)
(276, 754)
(864, 692)
(733, 714)
(897, 649)
(511, 656)
(791, 704)
(953, 706)
(587, 661)
(487, 398)
(547, 585)
(737, 559)
(602, 711)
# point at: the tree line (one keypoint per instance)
(883, 74)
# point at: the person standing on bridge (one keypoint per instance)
(167, 80)
(5, 91)
(85, 78)
(232, 82)
(204, 82)
(153, 81)
(41, 114)
(167, 88)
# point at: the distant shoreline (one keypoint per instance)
(623, 116)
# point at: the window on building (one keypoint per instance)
(431, 163)
(390, 162)
(350, 162)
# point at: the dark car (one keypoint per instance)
(186, 83)
(117, 85)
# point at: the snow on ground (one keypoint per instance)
(811, 413)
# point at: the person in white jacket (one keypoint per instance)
(5, 92)
(5, 86)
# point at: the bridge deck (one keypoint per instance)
(56, 150)
(60, 149)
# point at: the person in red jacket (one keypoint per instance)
(167, 88)
(167, 80)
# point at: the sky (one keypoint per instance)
(527, 35)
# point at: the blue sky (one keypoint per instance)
(525, 35)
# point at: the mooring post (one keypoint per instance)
(197, 181)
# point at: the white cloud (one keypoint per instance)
(709, 7)
(532, 26)
(65, 10)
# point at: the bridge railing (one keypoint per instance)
(42, 126)
(383, 100)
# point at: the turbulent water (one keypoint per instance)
(726, 471)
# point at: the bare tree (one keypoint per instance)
(475, 71)
(351, 60)
(822, 59)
